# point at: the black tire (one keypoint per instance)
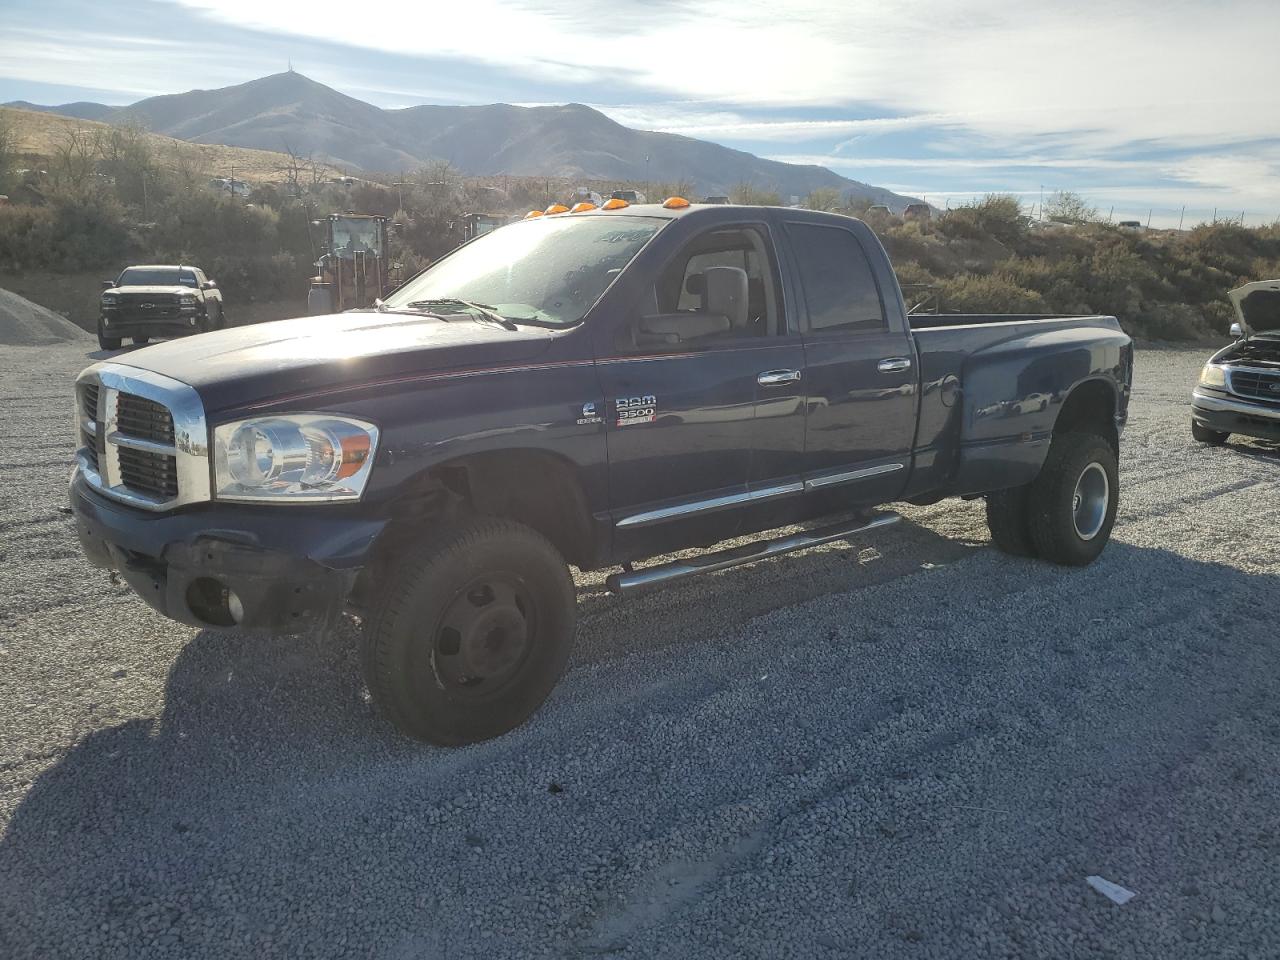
(1053, 519)
(1205, 435)
(141, 341)
(471, 632)
(1008, 522)
(105, 342)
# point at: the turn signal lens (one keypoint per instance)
(583, 207)
(675, 203)
(533, 213)
(615, 203)
(556, 208)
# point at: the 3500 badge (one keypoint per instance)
(633, 410)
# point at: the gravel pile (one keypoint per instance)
(911, 746)
(27, 324)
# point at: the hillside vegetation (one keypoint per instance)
(111, 195)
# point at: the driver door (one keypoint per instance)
(682, 393)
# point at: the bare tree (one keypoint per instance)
(75, 156)
(1067, 207)
(8, 152)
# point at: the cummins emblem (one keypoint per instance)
(589, 414)
(633, 410)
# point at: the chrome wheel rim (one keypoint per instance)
(1090, 501)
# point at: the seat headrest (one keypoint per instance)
(727, 294)
(695, 284)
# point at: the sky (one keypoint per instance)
(1142, 106)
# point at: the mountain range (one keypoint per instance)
(291, 112)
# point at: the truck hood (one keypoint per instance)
(168, 290)
(1257, 306)
(253, 365)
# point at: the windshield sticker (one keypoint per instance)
(632, 410)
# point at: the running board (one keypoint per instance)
(636, 580)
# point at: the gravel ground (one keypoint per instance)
(911, 746)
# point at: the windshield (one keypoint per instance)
(352, 235)
(546, 270)
(156, 277)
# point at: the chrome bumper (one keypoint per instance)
(1219, 404)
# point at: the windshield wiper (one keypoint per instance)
(484, 309)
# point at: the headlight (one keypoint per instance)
(293, 458)
(187, 303)
(1212, 376)
(109, 299)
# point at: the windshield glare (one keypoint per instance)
(547, 270)
(156, 277)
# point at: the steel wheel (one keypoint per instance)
(1090, 501)
(484, 636)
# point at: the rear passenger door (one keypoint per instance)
(859, 368)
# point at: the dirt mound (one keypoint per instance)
(27, 324)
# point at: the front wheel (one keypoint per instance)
(1072, 503)
(471, 633)
(105, 342)
(1205, 435)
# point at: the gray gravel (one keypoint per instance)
(27, 324)
(911, 746)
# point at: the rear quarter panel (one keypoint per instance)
(992, 392)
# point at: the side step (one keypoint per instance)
(636, 580)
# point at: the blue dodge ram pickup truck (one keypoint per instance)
(594, 388)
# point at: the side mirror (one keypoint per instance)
(209, 285)
(1236, 332)
(108, 284)
(726, 294)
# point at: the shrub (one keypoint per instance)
(989, 294)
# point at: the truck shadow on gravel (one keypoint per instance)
(145, 832)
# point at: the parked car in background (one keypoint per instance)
(157, 301)
(917, 211)
(1239, 388)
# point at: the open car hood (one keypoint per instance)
(1257, 307)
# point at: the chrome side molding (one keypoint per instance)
(711, 505)
(831, 479)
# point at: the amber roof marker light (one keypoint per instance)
(583, 207)
(675, 203)
(615, 203)
(556, 208)
(533, 213)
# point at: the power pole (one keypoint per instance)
(1148, 219)
(1182, 215)
(1042, 203)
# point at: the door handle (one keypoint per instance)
(772, 378)
(894, 364)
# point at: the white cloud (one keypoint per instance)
(1101, 72)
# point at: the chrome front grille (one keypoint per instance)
(1255, 384)
(143, 438)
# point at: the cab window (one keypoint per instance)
(840, 293)
(698, 280)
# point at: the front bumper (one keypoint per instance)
(1228, 414)
(116, 324)
(286, 567)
